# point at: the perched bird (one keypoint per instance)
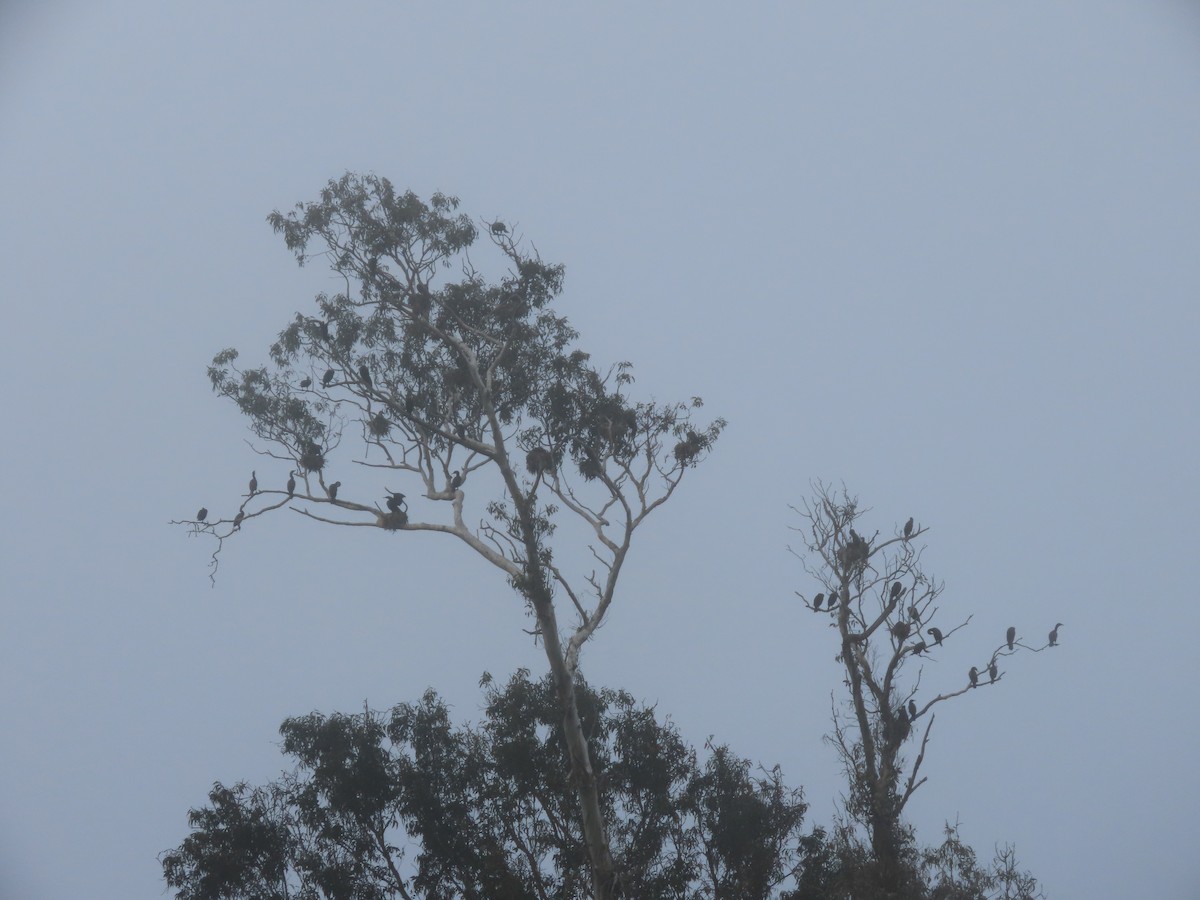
(914, 614)
(992, 670)
(900, 630)
(897, 589)
(912, 709)
(818, 600)
(291, 485)
(203, 514)
(456, 481)
(1010, 636)
(306, 382)
(974, 676)
(253, 484)
(327, 377)
(364, 375)
(323, 328)
(908, 528)
(395, 502)
(333, 488)
(237, 520)
(1054, 635)
(919, 648)
(937, 635)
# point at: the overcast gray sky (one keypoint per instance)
(946, 253)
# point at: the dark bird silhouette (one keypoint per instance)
(291, 485)
(395, 502)
(900, 630)
(974, 676)
(919, 648)
(203, 514)
(937, 635)
(912, 709)
(897, 589)
(1054, 635)
(818, 600)
(327, 378)
(253, 483)
(237, 520)
(364, 375)
(908, 528)
(323, 328)
(539, 460)
(456, 481)
(992, 670)
(306, 382)
(333, 489)
(1011, 636)
(914, 614)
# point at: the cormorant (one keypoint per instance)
(919, 648)
(897, 589)
(937, 635)
(818, 600)
(291, 485)
(253, 484)
(1011, 636)
(395, 502)
(456, 481)
(306, 382)
(203, 514)
(1054, 635)
(912, 709)
(974, 676)
(900, 630)
(237, 520)
(364, 375)
(333, 490)
(327, 377)
(914, 614)
(992, 671)
(908, 528)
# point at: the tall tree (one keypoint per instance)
(410, 805)
(460, 389)
(882, 607)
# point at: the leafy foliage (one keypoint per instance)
(411, 805)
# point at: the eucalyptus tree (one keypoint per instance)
(436, 382)
(882, 607)
(409, 804)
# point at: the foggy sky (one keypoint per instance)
(945, 254)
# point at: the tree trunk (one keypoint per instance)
(595, 836)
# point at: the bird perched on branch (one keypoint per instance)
(291, 485)
(908, 528)
(1010, 636)
(456, 481)
(396, 502)
(974, 676)
(327, 378)
(897, 589)
(203, 514)
(937, 635)
(237, 520)
(306, 382)
(817, 601)
(1054, 634)
(992, 670)
(912, 709)
(253, 484)
(364, 375)
(333, 489)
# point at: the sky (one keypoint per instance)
(944, 254)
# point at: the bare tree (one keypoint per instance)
(884, 609)
(456, 390)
